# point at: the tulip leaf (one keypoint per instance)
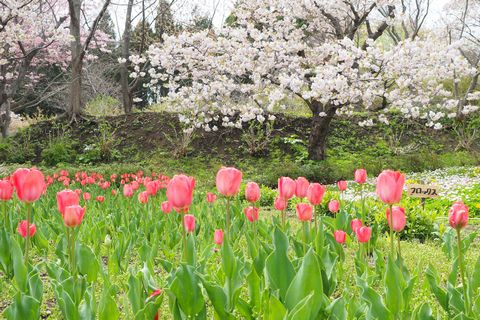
(394, 283)
(24, 307)
(185, 287)
(218, 299)
(475, 279)
(423, 312)
(337, 309)
(303, 309)
(279, 268)
(377, 309)
(433, 279)
(276, 310)
(19, 267)
(87, 263)
(306, 282)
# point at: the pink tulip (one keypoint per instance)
(363, 234)
(334, 206)
(228, 181)
(315, 193)
(218, 237)
(6, 190)
(114, 192)
(143, 197)
(100, 198)
(301, 187)
(29, 184)
(280, 204)
(304, 211)
(73, 215)
(166, 207)
(252, 192)
(286, 187)
(66, 198)
(342, 185)
(390, 186)
(189, 222)
(458, 215)
(399, 218)
(22, 229)
(151, 188)
(211, 197)
(355, 224)
(251, 213)
(360, 176)
(180, 192)
(86, 196)
(340, 236)
(127, 190)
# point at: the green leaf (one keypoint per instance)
(218, 298)
(280, 278)
(423, 312)
(433, 280)
(276, 310)
(187, 291)
(24, 307)
(107, 308)
(337, 309)
(19, 267)
(87, 263)
(306, 281)
(377, 309)
(253, 281)
(394, 283)
(304, 309)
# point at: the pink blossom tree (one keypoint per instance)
(328, 55)
(32, 36)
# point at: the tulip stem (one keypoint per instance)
(255, 231)
(315, 218)
(305, 230)
(462, 271)
(364, 215)
(185, 249)
(27, 238)
(392, 246)
(399, 252)
(283, 219)
(227, 226)
(7, 223)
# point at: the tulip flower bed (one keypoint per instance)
(79, 245)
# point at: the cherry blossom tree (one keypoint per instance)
(32, 36)
(329, 55)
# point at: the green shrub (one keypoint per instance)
(57, 151)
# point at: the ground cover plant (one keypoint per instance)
(141, 245)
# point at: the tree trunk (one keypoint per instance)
(75, 99)
(317, 142)
(127, 96)
(5, 117)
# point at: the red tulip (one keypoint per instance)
(29, 184)
(66, 198)
(6, 190)
(154, 294)
(251, 213)
(363, 234)
(340, 236)
(180, 192)
(22, 229)
(73, 215)
(218, 237)
(211, 197)
(280, 204)
(360, 176)
(390, 186)
(252, 192)
(458, 215)
(100, 198)
(334, 206)
(301, 187)
(114, 192)
(86, 196)
(228, 181)
(189, 222)
(286, 187)
(342, 185)
(127, 190)
(399, 218)
(315, 193)
(355, 224)
(166, 207)
(304, 212)
(143, 197)
(151, 188)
